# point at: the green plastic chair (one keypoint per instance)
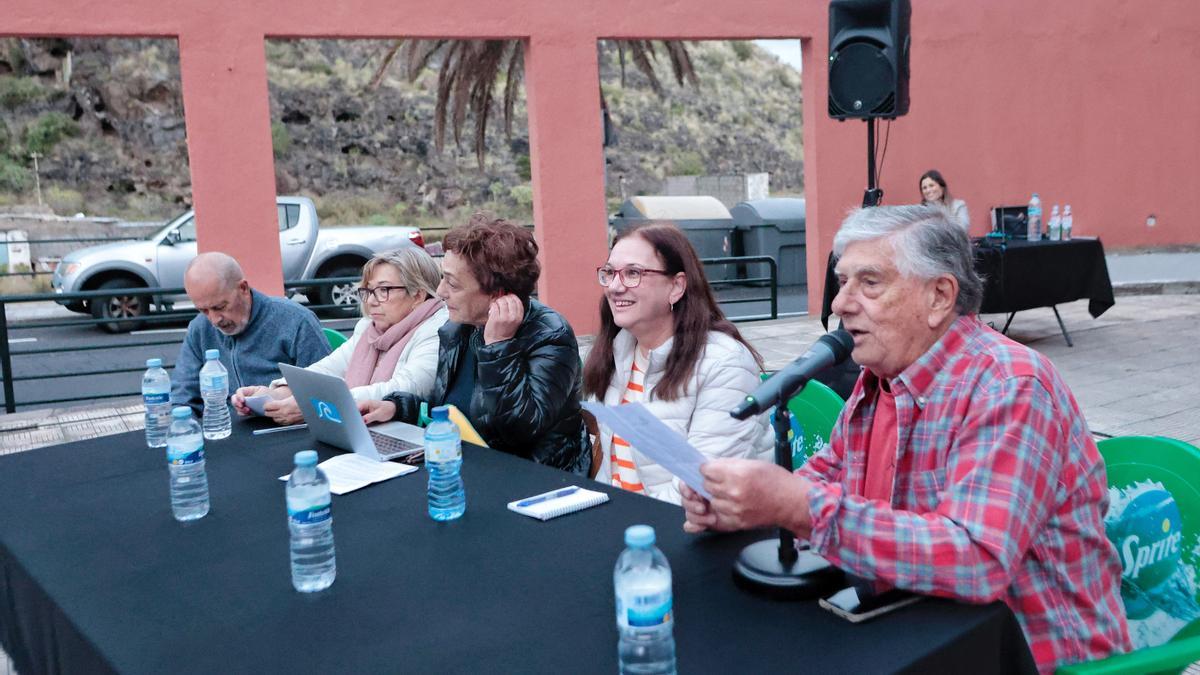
(335, 338)
(1154, 521)
(814, 412)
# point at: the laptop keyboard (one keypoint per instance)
(390, 447)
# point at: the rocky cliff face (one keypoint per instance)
(106, 116)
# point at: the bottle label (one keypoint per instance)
(644, 611)
(311, 515)
(179, 454)
(441, 451)
(156, 399)
(212, 381)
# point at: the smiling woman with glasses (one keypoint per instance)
(663, 342)
(394, 345)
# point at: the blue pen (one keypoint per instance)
(548, 496)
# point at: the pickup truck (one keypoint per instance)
(308, 251)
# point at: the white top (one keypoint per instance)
(958, 209)
(415, 370)
(725, 374)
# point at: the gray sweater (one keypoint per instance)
(279, 331)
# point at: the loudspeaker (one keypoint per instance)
(868, 58)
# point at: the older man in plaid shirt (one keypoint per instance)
(961, 466)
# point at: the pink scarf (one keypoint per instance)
(376, 354)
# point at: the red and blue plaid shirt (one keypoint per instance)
(999, 493)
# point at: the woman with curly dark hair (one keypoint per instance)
(508, 362)
(664, 343)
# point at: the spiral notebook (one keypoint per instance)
(558, 502)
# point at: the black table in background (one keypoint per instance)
(95, 576)
(1020, 275)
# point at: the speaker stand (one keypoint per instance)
(774, 567)
(873, 194)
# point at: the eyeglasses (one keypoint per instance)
(631, 277)
(381, 293)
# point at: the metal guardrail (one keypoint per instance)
(7, 354)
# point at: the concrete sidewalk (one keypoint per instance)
(1133, 371)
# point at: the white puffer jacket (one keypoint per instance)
(415, 370)
(724, 376)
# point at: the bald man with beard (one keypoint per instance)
(254, 332)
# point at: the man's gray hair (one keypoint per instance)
(220, 265)
(927, 241)
(418, 270)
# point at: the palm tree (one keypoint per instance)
(470, 70)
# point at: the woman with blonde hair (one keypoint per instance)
(395, 344)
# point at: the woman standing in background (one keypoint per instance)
(934, 191)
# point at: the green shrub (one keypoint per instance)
(522, 195)
(744, 50)
(13, 176)
(524, 170)
(47, 130)
(15, 91)
(64, 201)
(687, 163)
(281, 140)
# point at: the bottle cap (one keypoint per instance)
(639, 536)
(441, 413)
(181, 412)
(211, 354)
(153, 363)
(306, 458)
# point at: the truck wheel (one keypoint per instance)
(341, 296)
(120, 307)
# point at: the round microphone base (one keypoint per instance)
(759, 570)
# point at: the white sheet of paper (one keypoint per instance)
(256, 403)
(350, 472)
(649, 436)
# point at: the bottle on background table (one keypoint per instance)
(1035, 218)
(1067, 222)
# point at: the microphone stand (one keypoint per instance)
(774, 567)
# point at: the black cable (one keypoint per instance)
(883, 155)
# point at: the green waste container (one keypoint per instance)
(775, 227)
(705, 220)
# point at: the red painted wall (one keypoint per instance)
(1094, 102)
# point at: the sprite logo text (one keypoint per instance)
(1135, 556)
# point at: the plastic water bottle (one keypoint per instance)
(1066, 222)
(1054, 227)
(310, 521)
(443, 461)
(645, 615)
(156, 394)
(214, 389)
(185, 459)
(1035, 218)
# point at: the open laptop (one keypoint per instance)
(332, 416)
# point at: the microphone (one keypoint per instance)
(830, 350)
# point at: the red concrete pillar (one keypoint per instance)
(567, 158)
(224, 74)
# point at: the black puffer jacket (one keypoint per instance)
(527, 389)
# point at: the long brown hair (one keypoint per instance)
(695, 314)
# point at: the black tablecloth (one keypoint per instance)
(96, 576)
(1025, 275)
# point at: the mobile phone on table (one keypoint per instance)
(856, 604)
